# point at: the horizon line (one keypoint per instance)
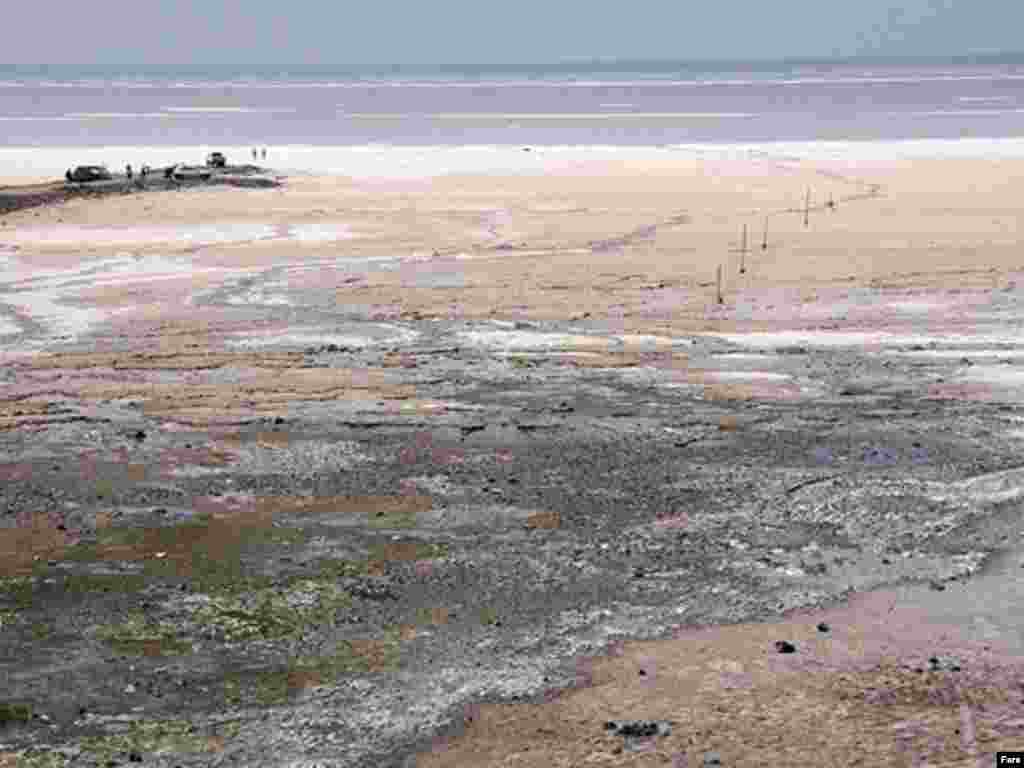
(562, 66)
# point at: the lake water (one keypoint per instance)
(658, 104)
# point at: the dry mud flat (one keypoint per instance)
(258, 513)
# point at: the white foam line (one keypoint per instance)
(115, 115)
(960, 113)
(768, 339)
(548, 82)
(970, 354)
(36, 118)
(488, 116)
(230, 110)
(394, 335)
(746, 376)
(985, 99)
(996, 375)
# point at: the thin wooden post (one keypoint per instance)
(764, 240)
(743, 251)
(718, 285)
(807, 208)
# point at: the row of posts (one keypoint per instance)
(719, 296)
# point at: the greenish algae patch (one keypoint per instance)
(140, 635)
(391, 520)
(488, 616)
(520, 361)
(405, 551)
(160, 736)
(14, 712)
(86, 583)
(336, 568)
(277, 686)
(271, 613)
(207, 551)
(17, 590)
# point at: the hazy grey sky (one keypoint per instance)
(336, 33)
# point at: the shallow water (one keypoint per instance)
(665, 104)
(195, 234)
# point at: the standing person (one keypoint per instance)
(264, 153)
(254, 153)
(128, 171)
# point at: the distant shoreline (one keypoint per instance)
(552, 68)
(397, 162)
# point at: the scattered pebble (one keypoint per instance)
(712, 758)
(784, 646)
(638, 729)
(823, 627)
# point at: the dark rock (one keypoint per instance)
(140, 435)
(878, 455)
(638, 729)
(712, 758)
(823, 627)
(937, 586)
(784, 646)
(134, 757)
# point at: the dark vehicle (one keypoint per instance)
(186, 173)
(216, 160)
(89, 173)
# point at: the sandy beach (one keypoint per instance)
(633, 242)
(499, 416)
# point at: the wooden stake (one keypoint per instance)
(718, 285)
(743, 252)
(764, 241)
(807, 208)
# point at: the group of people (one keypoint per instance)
(143, 172)
(259, 154)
